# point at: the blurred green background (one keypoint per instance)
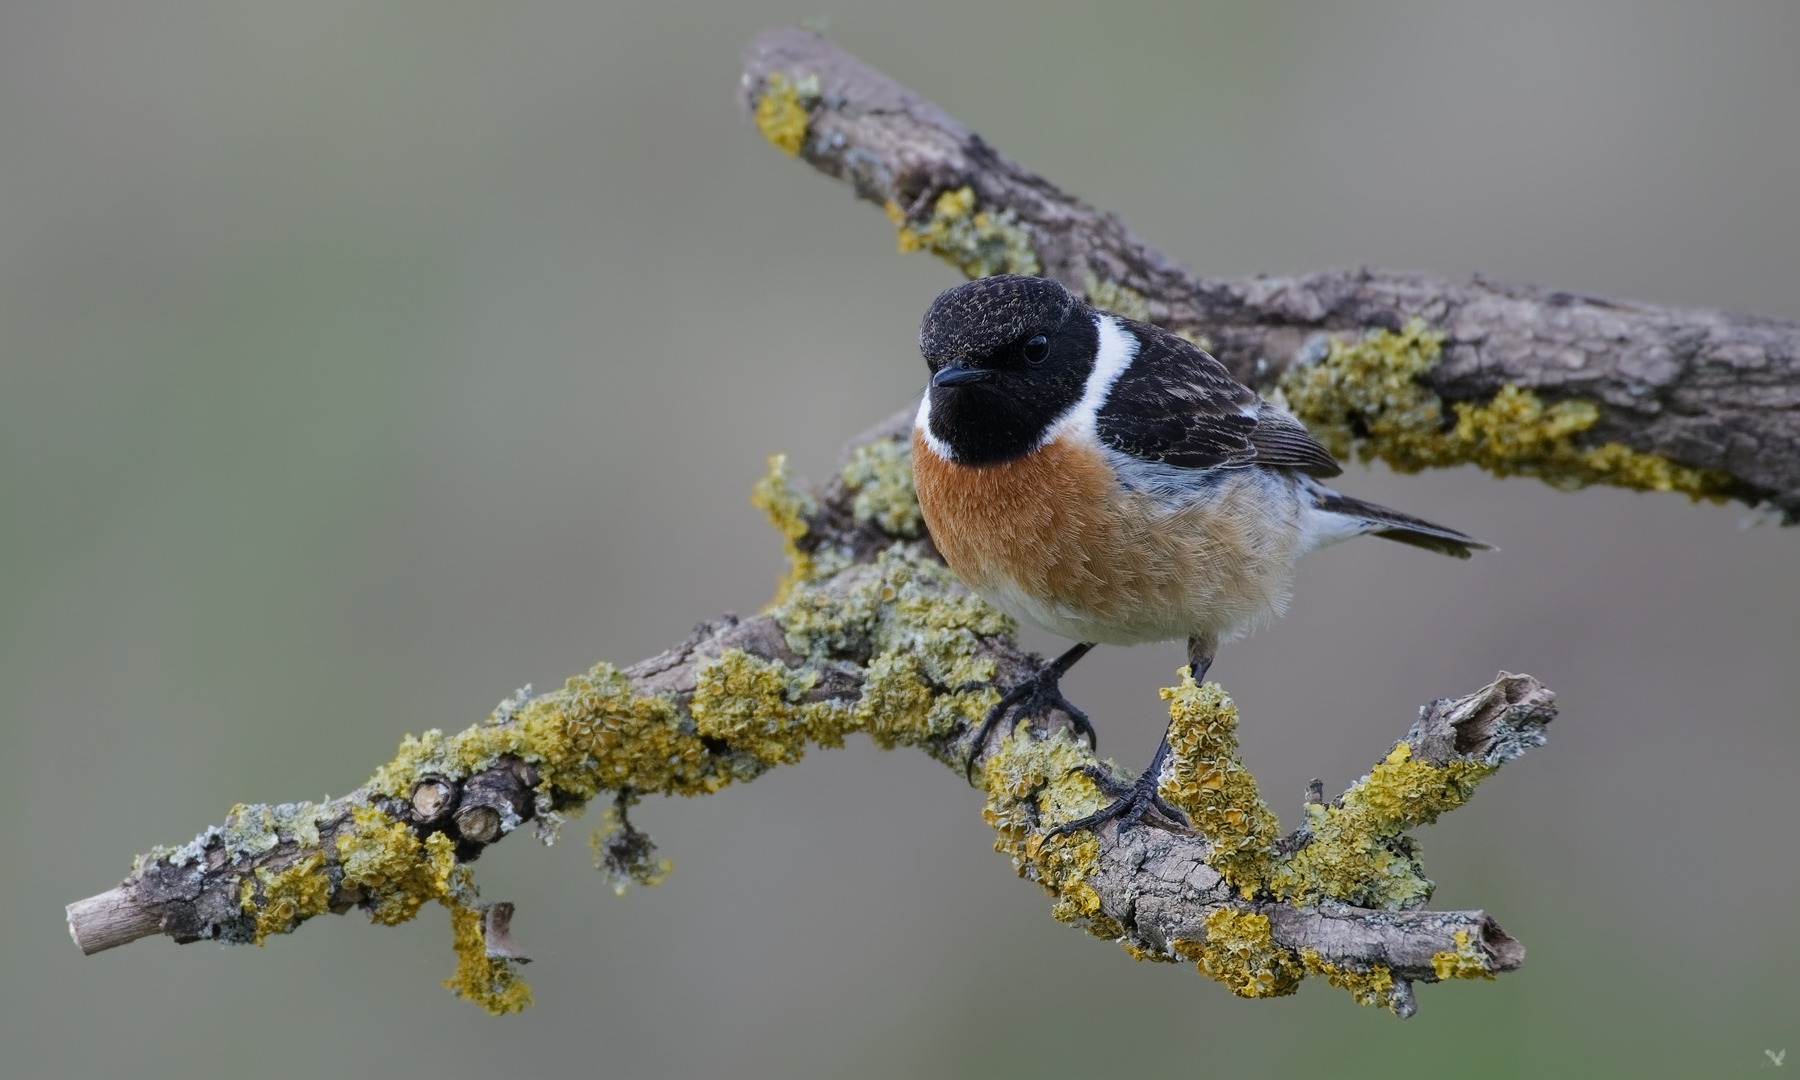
(361, 362)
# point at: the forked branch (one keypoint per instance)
(874, 635)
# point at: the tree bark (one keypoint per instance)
(1704, 389)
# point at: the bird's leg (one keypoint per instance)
(1133, 801)
(1035, 696)
(1201, 651)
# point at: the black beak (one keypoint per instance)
(952, 375)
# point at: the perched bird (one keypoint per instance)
(1111, 482)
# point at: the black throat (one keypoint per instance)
(1007, 415)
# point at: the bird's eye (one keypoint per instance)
(1036, 349)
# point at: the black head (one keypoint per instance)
(1009, 356)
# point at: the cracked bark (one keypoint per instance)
(1703, 388)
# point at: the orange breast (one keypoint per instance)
(1051, 538)
(1033, 521)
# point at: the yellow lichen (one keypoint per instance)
(1466, 961)
(788, 508)
(1112, 296)
(754, 705)
(1032, 786)
(1357, 853)
(396, 871)
(1367, 397)
(597, 733)
(435, 753)
(288, 896)
(980, 243)
(781, 113)
(490, 982)
(1372, 987)
(1240, 953)
(902, 603)
(897, 706)
(1205, 778)
(903, 629)
(880, 472)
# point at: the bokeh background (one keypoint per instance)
(359, 363)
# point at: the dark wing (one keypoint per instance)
(1280, 439)
(1178, 406)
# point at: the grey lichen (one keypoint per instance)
(880, 472)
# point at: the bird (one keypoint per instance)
(1110, 482)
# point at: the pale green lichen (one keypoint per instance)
(979, 242)
(923, 633)
(781, 112)
(256, 828)
(1111, 296)
(1206, 779)
(1240, 953)
(1368, 397)
(880, 472)
(1358, 853)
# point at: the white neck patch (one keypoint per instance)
(1117, 350)
(922, 424)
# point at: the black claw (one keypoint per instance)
(1109, 785)
(1131, 802)
(1036, 696)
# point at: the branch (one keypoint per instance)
(1415, 369)
(871, 634)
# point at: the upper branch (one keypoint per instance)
(1576, 389)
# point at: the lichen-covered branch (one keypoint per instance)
(1414, 369)
(870, 634)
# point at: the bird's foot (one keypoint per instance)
(1036, 696)
(1131, 803)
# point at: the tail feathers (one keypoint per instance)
(1392, 524)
